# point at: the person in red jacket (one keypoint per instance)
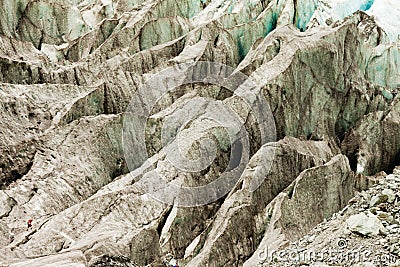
(30, 223)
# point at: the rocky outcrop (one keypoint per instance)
(297, 210)
(371, 230)
(365, 224)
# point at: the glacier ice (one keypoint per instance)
(387, 15)
(385, 12)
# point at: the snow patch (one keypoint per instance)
(385, 12)
(190, 249)
(361, 165)
(337, 10)
(387, 16)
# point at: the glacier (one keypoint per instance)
(328, 75)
